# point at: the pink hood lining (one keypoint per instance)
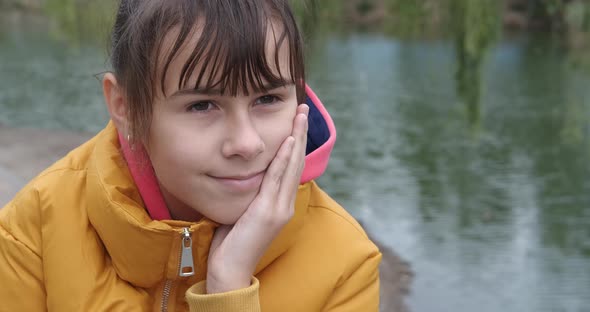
(316, 162)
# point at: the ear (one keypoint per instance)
(116, 103)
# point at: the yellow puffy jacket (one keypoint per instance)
(78, 238)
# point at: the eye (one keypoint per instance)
(267, 99)
(200, 107)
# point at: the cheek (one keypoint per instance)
(163, 143)
(172, 148)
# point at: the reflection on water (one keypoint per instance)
(493, 218)
(471, 45)
(494, 221)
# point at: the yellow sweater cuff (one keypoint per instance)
(245, 299)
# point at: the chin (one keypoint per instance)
(226, 220)
(229, 214)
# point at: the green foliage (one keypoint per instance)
(364, 7)
(410, 17)
(330, 11)
(81, 20)
(306, 13)
(552, 7)
(475, 23)
(577, 16)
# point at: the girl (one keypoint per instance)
(199, 194)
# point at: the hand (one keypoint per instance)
(236, 249)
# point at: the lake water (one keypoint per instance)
(488, 197)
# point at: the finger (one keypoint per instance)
(304, 139)
(292, 176)
(303, 109)
(300, 134)
(276, 170)
(300, 124)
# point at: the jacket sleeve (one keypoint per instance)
(21, 268)
(360, 291)
(243, 300)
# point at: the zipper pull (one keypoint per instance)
(187, 267)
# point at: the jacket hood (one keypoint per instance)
(321, 137)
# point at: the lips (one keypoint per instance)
(240, 177)
(240, 183)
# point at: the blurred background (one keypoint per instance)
(463, 138)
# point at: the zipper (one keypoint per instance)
(166, 294)
(186, 265)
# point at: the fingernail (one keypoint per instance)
(305, 108)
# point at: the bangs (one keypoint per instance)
(231, 54)
(226, 43)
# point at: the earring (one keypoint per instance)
(131, 144)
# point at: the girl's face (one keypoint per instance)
(210, 151)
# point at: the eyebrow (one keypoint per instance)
(211, 91)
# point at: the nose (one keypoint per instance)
(242, 139)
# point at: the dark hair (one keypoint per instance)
(231, 46)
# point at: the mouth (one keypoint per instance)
(240, 177)
(240, 183)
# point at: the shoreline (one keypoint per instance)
(26, 152)
(9, 185)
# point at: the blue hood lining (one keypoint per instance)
(318, 132)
